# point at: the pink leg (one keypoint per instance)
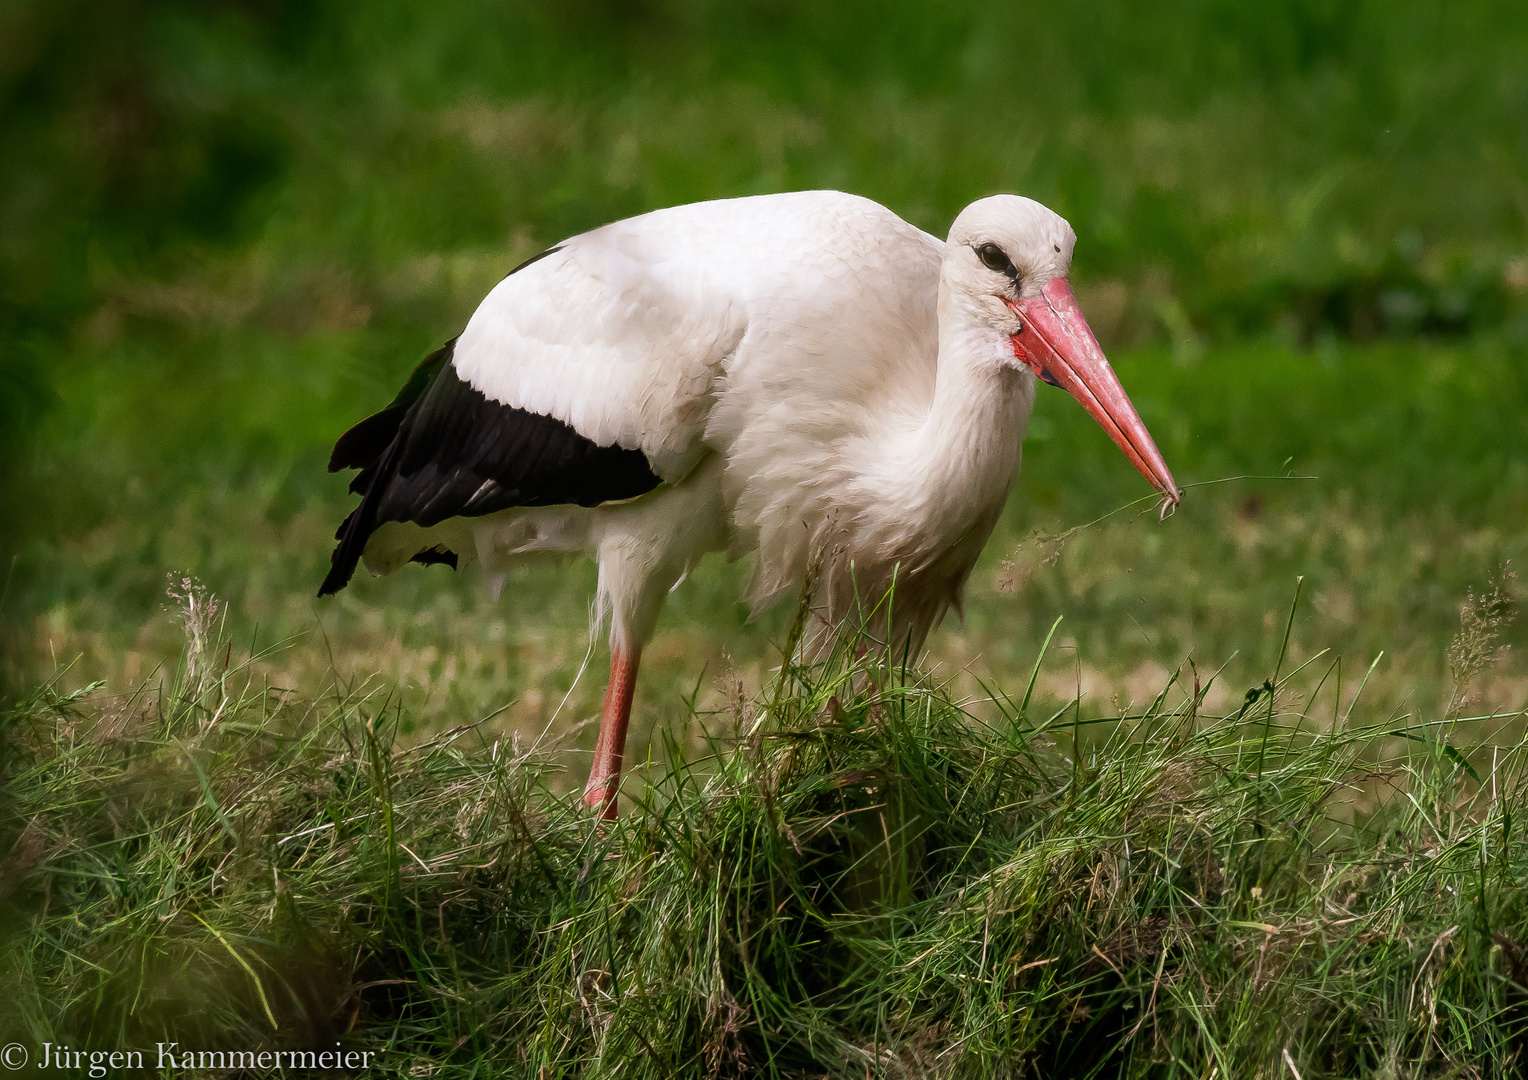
(605, 776)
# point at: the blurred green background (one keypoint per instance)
(227, 231)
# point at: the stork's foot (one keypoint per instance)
(600, 796)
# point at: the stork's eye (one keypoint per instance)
(993, 258)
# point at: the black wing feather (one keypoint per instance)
(442, 449)
(364, 443)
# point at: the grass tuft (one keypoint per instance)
(1476, 646)
(857, 877)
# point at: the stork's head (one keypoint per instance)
(1006, 265)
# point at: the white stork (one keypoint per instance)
(785, 374)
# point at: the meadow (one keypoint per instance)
(228, 232)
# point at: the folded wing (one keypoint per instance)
(583, 379)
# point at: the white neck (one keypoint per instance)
(954, 469)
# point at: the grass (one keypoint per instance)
(845, 881)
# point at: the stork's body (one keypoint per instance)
(786, 374)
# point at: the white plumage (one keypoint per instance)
(803, 373)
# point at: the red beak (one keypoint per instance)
(1058, 344)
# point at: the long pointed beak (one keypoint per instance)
(1057, 342)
